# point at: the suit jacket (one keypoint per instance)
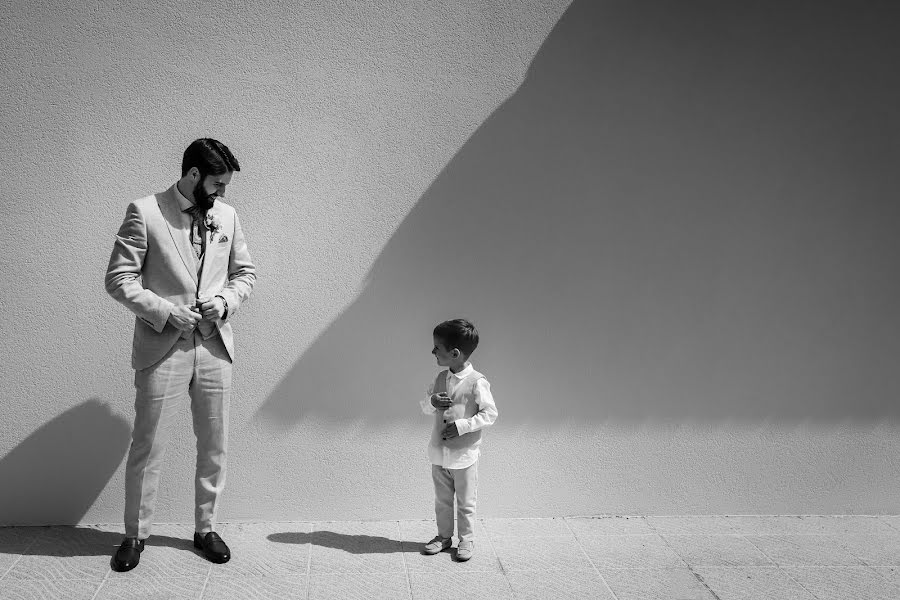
(153, 268)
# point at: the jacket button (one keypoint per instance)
(445, 420)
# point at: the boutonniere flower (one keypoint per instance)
(213, 225)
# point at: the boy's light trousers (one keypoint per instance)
(463, 483)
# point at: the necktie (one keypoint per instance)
(197, 229)
(198, 241)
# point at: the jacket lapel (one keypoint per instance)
(170, 209)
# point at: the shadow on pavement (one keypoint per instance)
(353, 544)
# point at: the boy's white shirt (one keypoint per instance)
(486, 415)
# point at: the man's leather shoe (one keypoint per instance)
(128, 555)
(214, 549)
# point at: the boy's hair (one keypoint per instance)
(211, 157)
(458, 333)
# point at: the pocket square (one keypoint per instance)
(223, 239)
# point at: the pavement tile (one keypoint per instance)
(690, 525)
(266, 549)
(174, 588)
(892, 574)
(471, 586)
(655, 584)
(874, 550)
(15, 540)
(359, 586)
(594, 526)
(892, 521)
(772, 525)
(484, 559)
(847, 525)
(805, 550)
(259, 559)
(256, 588)
(259, 532)
(387, 529)
(37, 589)
(717, 550)
(631, 552)
(844, 583)
(528, 528)
(752, 583)
(541, 554)
(559, 585)
(342, 553)
(7, 561)
(62, 558)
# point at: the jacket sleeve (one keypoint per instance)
(124, 272)
(241, 272)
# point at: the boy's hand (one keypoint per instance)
(441, 401)
(450, 431)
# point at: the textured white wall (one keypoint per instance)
(674, 224)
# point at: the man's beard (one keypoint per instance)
(203, 200)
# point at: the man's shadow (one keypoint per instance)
(352, 544)
(86, 541)
(56, 474)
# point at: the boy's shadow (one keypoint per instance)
(353, 544)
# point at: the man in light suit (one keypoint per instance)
(181, 265)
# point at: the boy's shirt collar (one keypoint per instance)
(463, 373)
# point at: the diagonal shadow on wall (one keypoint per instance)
(56, 474)
(686, 211)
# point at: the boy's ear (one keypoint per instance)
(455, 353)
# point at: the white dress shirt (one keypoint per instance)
(487, 413)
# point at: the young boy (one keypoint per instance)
(461, 401)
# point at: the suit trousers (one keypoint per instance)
(200, 370)
(463, 483)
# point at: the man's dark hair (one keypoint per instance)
(211, 157)
(457, 333)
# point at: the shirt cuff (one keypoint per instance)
(462, 426)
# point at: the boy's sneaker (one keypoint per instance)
(465, 550)
(438, 544)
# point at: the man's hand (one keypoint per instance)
(184, 317)
(441, 401)
(212, 309)
(449, 432)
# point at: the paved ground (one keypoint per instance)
(604, 558)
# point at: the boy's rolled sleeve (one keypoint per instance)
(487, 410)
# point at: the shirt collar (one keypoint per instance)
(183, 202)
(462, 374)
